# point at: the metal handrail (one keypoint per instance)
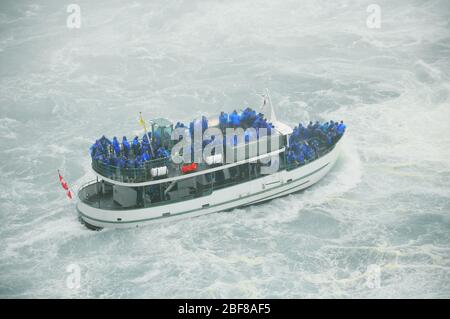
(87, 184)
(142, 174)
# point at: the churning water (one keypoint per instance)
(377, 226)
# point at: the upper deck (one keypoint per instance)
(160, 169)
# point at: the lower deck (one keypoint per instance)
(104, 195)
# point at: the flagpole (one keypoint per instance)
(273, 117)
(64, 184)
(141, 120)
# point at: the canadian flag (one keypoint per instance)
(65, 186)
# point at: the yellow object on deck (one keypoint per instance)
(142, 122)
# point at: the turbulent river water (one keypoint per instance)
(377, 226)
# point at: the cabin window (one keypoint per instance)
(152, 194)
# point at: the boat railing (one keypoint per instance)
(87, 184)
(88, 191)
(129, 174)
(143, 173)
(320, 152)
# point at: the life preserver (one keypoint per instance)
(188, 168)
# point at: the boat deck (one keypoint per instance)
(104, 201)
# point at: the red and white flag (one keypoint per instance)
(65, 186)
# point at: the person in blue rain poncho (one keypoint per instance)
(204, 124)
(105, 141)
(106, 145)
(257, 123)
(341, 128)
(162, 152)
(146, 145)
(248, 117)
(301, 158)
(324, 127)
(243, 117)
(234, 119)
(332, 126)
(191, 129)
(106, 166)
(145, 156)
(305, 150)
(135, 145)
(249, 136)
(93, 150)
(316, 126)
(116, 146)
(301, 131)
(130, 163)
(295, 137)
(126, 146)
(138, 162)
(290, 157)
(122, 162)
(147, 137)
(157, 140)
(101, 148)
(223, 121)
(114, 161)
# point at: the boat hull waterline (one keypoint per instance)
(265, 188)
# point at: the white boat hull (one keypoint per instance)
(255, 191)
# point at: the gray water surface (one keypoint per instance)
(385, 205)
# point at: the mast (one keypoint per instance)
(271, 117)
(142, 122)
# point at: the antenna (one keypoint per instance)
(267, 100)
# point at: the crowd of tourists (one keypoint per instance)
(306, 141)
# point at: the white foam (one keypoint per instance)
(383, 203)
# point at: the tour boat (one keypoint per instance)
(162, 190)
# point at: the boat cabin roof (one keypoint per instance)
(161, 122)
(282, 128)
